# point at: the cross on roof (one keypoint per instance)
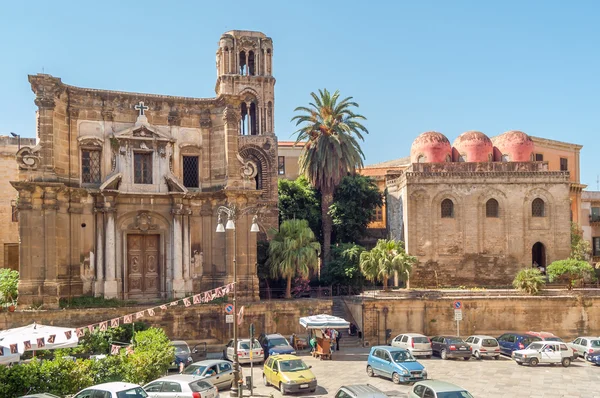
(141, 108)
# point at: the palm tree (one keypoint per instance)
(385, 260)
(292, 251)
(331, 130)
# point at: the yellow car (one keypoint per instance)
(289, 373)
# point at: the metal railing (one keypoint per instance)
(279, 293)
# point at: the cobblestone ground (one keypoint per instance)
(483, 379)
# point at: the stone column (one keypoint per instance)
(187, 275)
(178, 281)
(49, 209)
(99, 285)
(231, 118)
(110, 284)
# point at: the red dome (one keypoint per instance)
(473, 146)
(513, 146)
(430, 147)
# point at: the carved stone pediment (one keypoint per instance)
(143, 222)
(143, 132)
(90, 141)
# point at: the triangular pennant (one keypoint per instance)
(13, 349)
(51, 339)
(196, 299)
(151, 311)
(219, 292)
(128, 318)
(186, 302)
(174, 303)
(103, 326)
(41, 343)
(27, 345)
(114, 349)
(114, 323)
(163, 307)
(91, 328)
(139, 314)
(79, 332)
(68, 334)
(1, 351)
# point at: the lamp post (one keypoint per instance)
(232, 214)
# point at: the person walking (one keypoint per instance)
(338, 337)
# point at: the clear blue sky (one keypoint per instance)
(415, 66)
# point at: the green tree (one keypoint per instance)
(331, 130)
(354, 205)
(529, 280)
(571, 272)
(386, 259)
(344, 268)
(293, 251)
(151, 357)
(581, 249)
(298, 200)
(9, 280)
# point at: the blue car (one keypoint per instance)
(274, 344)
(594, 357)
(394, 363)
(510, 342)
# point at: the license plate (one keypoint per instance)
(303, 385)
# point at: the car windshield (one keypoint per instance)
(136, 392)
(454, 394)
(401, 356)
(553, 339)
(279, 341)
(595, 343)
(454, 340)
(535, 346)
(421, 340)
(245, 345)
(194, 370)
(181, 349)
(489, 343)
(293, 365)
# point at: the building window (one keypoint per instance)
(15, 214)
(142, 168)
(596, 246)
(190, 171)
(378, 214)
(564, 164)
(90, 166)
(281, 165)
(538, 208)
(595, 214)
(491, 208)
(539, 157)
(11, 256)
(447, 208)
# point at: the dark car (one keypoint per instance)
(512, 341)
(360, 391)
(594, 357)
(182, 353)
(450, 347)
(275, 344)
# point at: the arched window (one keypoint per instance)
(243, 65)
(251, 64)
(447, 208)
(491, 208)
(538, 208)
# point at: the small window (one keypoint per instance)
(101, 394)
(404, 339)
(224, 367)
(14, 214)
(142, 168)
(428, 393)
(378, 214)
(281, 165)
(595, 214)
(576, 341)
(11, 256)
(90, 166)
(564, 164)
(418, 390)
(491, 208)
(539, 157)
(596, 246)
(447, 208)
(538, 208)
(171, 386)
(583, 342)
(563, 347)
(342, 394)
(190, 171)
(154, 387)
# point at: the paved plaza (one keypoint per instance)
(483, 379)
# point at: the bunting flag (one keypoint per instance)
(114, 323)
(79, 332)
(13, 349)
(174, 303)
(139, 315)
(196, 299)
(127, 318)
(186, 302)
(68, 334)
(114, 349)
(1, 351)
(129, 349)
(240, 316)
(163, 307)
(103, 326)
(41, 343)
(51, 339)
(219, 292)
(151, 311)
(27, 345)
(91, 328)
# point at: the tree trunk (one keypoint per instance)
(326, 202)
(385, 283)
(288, 288)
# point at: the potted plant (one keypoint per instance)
(9, 280)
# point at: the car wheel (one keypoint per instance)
(370, 372)
(396, 378)
(313, 390)
(265, 381)
(477, 355)
(519, 363)
(427, 356)
(534, 362)
(585, 356)
(443, 354)
(566, 362)
(497, 357)
(281, 389)
(467, 358)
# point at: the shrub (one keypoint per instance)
(9, 280)
(151, 357)
(571, 272)
(529, 280)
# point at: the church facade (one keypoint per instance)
(120, 196)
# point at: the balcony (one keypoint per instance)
(595, 220)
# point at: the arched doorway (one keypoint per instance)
(538, 255)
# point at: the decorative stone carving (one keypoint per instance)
(231, 115)
(249, 168)
(197, 263)
(247, 43)
(143, 222)
(205, 121)
(28, 158)
(90, 142)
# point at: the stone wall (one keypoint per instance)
(196, 323)
(565, 316)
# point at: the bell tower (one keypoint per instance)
(244, 68)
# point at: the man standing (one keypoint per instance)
(338, 336)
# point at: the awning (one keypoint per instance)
(52, 337)
(324, 321)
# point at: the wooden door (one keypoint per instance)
(143, 266)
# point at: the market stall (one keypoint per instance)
(321, 331)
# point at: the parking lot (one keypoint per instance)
(486, 378)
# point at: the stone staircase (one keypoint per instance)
(339, 310)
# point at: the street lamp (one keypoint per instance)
(232, 214)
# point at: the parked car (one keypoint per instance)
(394, 363)
(182, 352)
(544, 352)
(417, 344)
(218, 371)
(275, 344)
(437, 389)
(116, 389)
(359, 391)
(181, 386)
(289, 373)
(546, 336)
(585, 345)
(40, 395)
(594, 357)
(512, 341)
(450, 347)
(244, 351)
(484, 346)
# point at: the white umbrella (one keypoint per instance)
(324, 321)
(6, 357)
(53, 337)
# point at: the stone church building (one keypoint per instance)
(479, 210)
(119, 197)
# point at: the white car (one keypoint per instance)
(544, 352)
(585, 345)
(181, 386)
(484, 346)
(116, 389)
(416, 344)
(244, 355)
